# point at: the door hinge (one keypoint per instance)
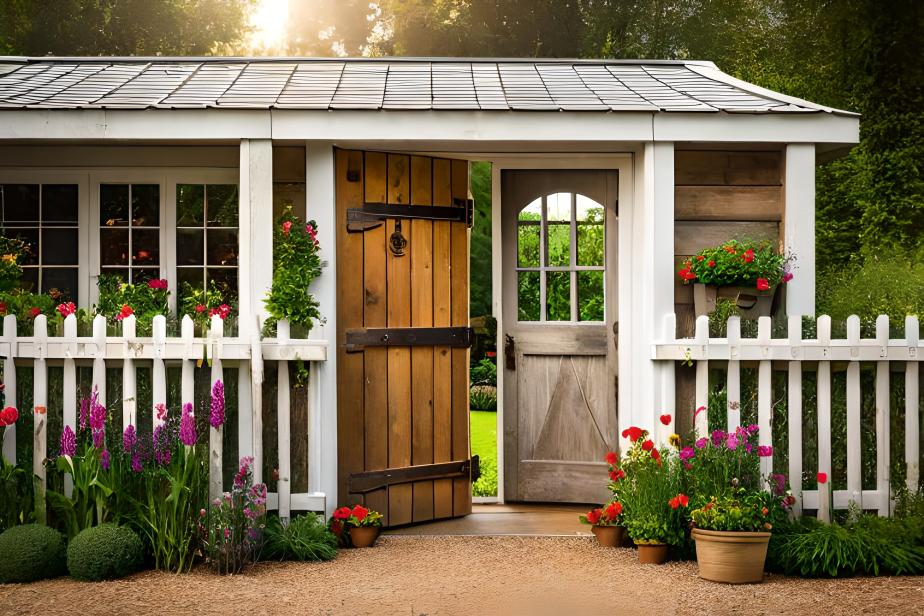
(372, 215)
(367, 481)
(359, 338)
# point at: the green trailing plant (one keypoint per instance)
(296, 264)
(144, 300)
(304, 537)
(104, 552)
(744, 263)
(483, 398)
(31, 552)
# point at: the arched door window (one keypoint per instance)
(560, 259)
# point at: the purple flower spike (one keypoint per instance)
(68, 442)
(136, 463)
(187, 426)
(217, 416)
(84, 413)
(129, 438)
(104, 459)
(99, 436)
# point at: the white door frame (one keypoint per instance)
(623, 163)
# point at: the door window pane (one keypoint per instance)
(590, 296)
(558, 296)
(590, 231)
(529, 226)
(528, 305)
(20, 204)
(190, 205)
(129, 230)
(207, 237)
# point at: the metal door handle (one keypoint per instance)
(510, 353)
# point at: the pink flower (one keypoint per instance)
(702, 442)
(104, 459)
(763, 284)
(286, 227)
(200, 308)
(787, 276)
(187, 426)
(68, 442)
(686, 453)
(158, 284)
(161, 409)
(129, 438)
(67, 309)
(217, 415)
(731, 442)
(764, 451)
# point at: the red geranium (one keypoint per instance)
(666, 419)
(617, 474)
(342, 513)
(648, 445)
(763, 284)
(200, 308)
(8, 416)
(359, 512)
(613, 510)
(700, 257)
(593, 516)
(158, 284)
(3, 308)
(34, 311)
(125, 312)
(681, 500)
(655, 454)
(822, 478)
(711, 263)
(286, 227)
(612, 458)
(686, 274)
(748, 255)
(632, 433)
(67, 309)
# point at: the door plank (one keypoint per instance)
(350, 377)
(399, 358)
(375, 362)
(462, 488)
(421, 256)
(442, 359)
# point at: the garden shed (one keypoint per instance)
(177, 168)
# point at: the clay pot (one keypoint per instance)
(609, 536)
(364, 536)
(652, 553)
(731, 557)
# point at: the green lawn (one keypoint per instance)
(484, 445)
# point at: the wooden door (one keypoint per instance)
(403, 442)
(559, 303)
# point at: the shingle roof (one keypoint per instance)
(387, 83)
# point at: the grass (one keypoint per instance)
(484, 445)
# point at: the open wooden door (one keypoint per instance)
(402, 335)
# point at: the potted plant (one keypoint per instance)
(606, 524)
(649, 491)
(747, 272)
(364, 525)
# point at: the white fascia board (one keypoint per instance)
(807, 127)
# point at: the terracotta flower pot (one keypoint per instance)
(364, 536)
(731, 557)
(652, 553)
(609, 536)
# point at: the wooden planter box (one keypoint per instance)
(751, 302)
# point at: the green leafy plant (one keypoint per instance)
(302, 538)
(104, 552)
(144, 300)
(482, 398)
(608, 515)
(201, 304)
(296, 264)
(12, 251)
(15, 482)
(31, 552)
(744, 263)
(486, 485)
(484, 373)
(25, 305)
(743, 510)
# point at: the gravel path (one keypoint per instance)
(466, 575)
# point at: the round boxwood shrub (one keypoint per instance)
(104, 552)
(31, 552)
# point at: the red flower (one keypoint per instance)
(342, 513)
(158, 284)
(763, 284)
(748, 256)
(711, 263)
(648, 445)
(491, 353)
(67, 309)
(336, 527)
(200, 308)
(822, 478)
(787, 276)
(593, 516)
(359, 512)
(666, 419)
(612, 458)
(286, 227)
(613, 510)
(8, 416)
(700, 257)
(686, 274)
(34, 311)
(674, 503)
(125, 312)
(632, 433)
(684, 500)
(3, 308)
(729, 249)
(655, 454)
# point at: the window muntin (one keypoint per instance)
(560, 259)
(129, 233)
(207, 237)
(44, 216)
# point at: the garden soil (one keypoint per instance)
(418, 576)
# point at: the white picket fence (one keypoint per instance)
(795, 351)
(129, 351)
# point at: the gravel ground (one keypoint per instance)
(466, 575)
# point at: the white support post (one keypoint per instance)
(244, 411)
(322, 437)
(256, 393)
(764, 396)
(129, 382)
(283, 485)
(701, 422)
(799, 226)
(99, 357)
(854, 477)
(40, 415)
(158, 371)
(912, 421)
(882, 416)
(733, 382)
(9, 381)
(216, 332)
(668, 384)
(795, 411)
(188, 369)
(70, 387)
(824, 419)
(255, 217)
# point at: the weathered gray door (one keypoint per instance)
(559, 272)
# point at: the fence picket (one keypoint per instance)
(9, 381)
(733, 385)
(283, 486)
(256, 392)
(824, 419)
(764, 396)
(912, 421)
(40, 415)
(794, 395)
(882, 417)
(701, 423)
(668, 386)
(854, 477)
(188, 366)
(129, 377)
(70, 386)
(99, 357)
(158, 371)
(216, 332)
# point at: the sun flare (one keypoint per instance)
(269, 25)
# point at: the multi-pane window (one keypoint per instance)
(560, 259)
(129, 233)
(44, 217)
(207, 236)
